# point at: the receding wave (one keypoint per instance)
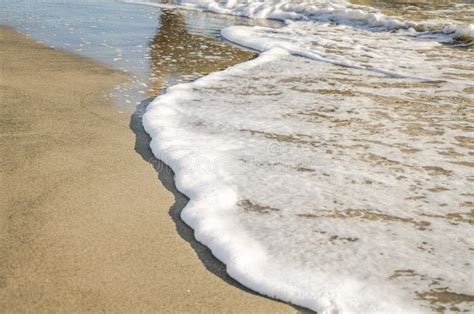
(335, 170)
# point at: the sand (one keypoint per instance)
(86, 221)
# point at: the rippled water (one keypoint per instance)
(181, 53)
(158, 47)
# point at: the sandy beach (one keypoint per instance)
(87, 223)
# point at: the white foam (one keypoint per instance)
(219, 134)
(334, 11)
(213, 213)
(339, 45)
(341, 181)
(460, 31)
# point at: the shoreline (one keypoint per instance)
(87, 225)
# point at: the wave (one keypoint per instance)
(341, 185)
(337, 11)
(205, 167)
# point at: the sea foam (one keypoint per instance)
(340, 181)
(334, 11)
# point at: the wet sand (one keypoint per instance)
(85, 222)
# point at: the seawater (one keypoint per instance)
(336, 170)
(157, 47)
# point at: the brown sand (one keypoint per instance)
(85, 224)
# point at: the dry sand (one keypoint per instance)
(85, 223)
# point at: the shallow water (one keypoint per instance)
(157, 47)
(178, 54)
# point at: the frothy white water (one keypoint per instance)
(317, 196)
(334, 11)
(460, 31)
(341, 181)
(341, 45)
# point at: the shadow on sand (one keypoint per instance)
(166, 176)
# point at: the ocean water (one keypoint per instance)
(336, 170)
